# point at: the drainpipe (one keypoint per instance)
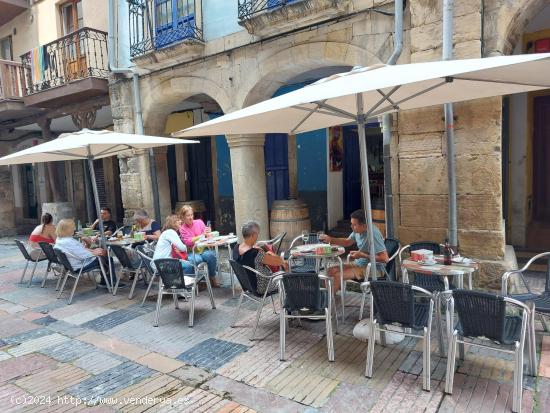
(138, 121)
(448, 28)
(387, 121)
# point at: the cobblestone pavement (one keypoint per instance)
(102, 354)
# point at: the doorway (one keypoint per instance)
(276, 167)
(201, 182)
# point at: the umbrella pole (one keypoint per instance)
(361, 122)
(96, 198)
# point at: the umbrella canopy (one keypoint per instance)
(88, 143)
(369, 92)
(384, 89)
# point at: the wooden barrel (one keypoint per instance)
(290, 216)
(379, 219)
(199, 209)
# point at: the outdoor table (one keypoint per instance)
(457, 269)
(216, 242)
(123, 242)
(309, 251)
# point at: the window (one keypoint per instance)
(71, 16)
(5, 49)
(174, 21)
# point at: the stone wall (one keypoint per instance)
(7, 211)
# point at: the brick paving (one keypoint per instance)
(102, 354)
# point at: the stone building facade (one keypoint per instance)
(249, 65)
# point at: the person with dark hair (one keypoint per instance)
(360, 237)
(109, 226)
(45, 232)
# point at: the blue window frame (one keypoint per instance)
(276, 3)
(174, 21)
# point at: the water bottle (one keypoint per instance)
(78, 226)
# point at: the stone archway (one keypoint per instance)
(504, 23)
(275, 70)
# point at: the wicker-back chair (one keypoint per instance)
(146, 255)
(248, 279)
(76, 273)
(173, 281)
(53, 263)
(28, 259)
(301, 265)
(396, 303)
(131, 263)
(483, 315)
(300, 291)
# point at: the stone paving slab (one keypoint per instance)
(37, 344)
(44, 321)
(212, 353)
(21, 366)
(37, 332)
(109, 382)
(97, 361)
(112, 319)
(113, 345)
(67, 351)
(52, 382)
(544, 363)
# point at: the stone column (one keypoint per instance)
(249, 185)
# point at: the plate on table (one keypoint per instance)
(427, 263)
(307, 247)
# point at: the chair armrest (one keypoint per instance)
(258, 273)
(395, 255)
(517, 303)
(423, 291)
(400, 252)
(328, 281)
(81, 260)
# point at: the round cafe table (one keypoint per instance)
(323, 261)
(216, 243)
(457, 269)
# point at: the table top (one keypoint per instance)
(123, 241)
(309, 251)
(216, 241)
(439, 268)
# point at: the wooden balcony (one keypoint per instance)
(11, 90)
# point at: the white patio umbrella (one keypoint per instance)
(368, 92)
(90, 145)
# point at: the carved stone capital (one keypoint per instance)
(240, 141)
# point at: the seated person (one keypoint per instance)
(190, 232)
(169, 240)
(147, 225)
(361, 257)
(109, 226)
(45, 232)
(76, 251)
(250, 254)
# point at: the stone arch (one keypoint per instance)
(505, 23)
(275, 70)
(160, 97)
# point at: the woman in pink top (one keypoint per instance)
(190, 232)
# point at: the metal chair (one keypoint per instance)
(275, 242)
(304, 290)
(396, 303)
(28, 258)
(483, 315)
(53, 264)
(146, 255)
(541, 301)
(77, 273)
(248, 279)
(130, 265)
(387, 269)
(173, 281)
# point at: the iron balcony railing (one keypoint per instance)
(79, 55)
(155, 24)
(248, 9)
(11, 78)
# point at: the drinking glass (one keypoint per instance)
(305, 236)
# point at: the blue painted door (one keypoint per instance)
(276, 166)
(174, 21)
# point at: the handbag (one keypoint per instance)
(178, 254)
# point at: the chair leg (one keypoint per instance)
(451, 359)
(370, 350)
(282, 335)
(48, 269)
(192, 307)
(258, 314)
(60, 277)
(544, 323)
(461, 350)
(343, 286)
(32, 273)
(132, 289)
(24, 272)
(210, 292)
(148, 289)
(427, 359)
(176, 303)
(74, 288)
(533, 346)
(330, 336)
(236, 316)
(115, 289)
(518, 379)
(362, 308)
(439, 325)
(63, 284)
(159, 304)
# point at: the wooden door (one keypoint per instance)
(276, 167)
(74, 53)
(541, 159)
(201, 182)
